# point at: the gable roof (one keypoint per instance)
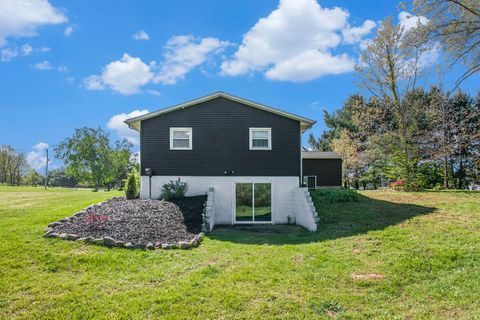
(305, 123)
(320, 155)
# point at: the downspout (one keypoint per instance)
(301, 160)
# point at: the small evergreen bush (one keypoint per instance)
(132, 190)
(334, 195)
(173, 190)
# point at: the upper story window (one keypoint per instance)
(260, 139)
(180, 138)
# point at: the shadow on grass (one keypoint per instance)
(337, 220)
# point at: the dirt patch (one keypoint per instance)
(366, 276)
(137, 221)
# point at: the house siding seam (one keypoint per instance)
(220, 142)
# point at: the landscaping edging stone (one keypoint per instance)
(110, 242)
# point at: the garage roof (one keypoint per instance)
(320, 155)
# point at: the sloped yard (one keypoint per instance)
(391, 255)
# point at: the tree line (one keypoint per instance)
(89, 156)
(441, 137)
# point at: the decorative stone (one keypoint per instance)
(48, 229)
(138, 246)
(97, 241)
(200, 236)
(52, 235)
(166, 246)
(119, 243)
(63, 236)
(129, 245)
(89, 239)
(108, 241)
(150, 246)
(81, 239)
(184, 245)
(72, 236)
(54, 224)
(194, 243)
(48, 233)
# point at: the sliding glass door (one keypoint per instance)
(253, 202)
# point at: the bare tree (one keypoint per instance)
(389, 69)
(455, 24)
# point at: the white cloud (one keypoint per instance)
(43, 49)
(125, 76)
(68, 31)
(183, 53)
(310, 65)
(93, 82)
(8, 54)
(44, 65)
(37, 157)
(27, 49)
(409, 21)
(288, 43)
(154, 92)
(22, 18)
(356, 34)
(62, 69)
(117, 124)
(141, 35)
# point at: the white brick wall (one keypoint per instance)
(305, 212)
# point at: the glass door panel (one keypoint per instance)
(263, 202)
(244, 202)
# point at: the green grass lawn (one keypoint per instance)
(390, 256)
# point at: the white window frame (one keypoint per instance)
(269, 130)
(190, 136)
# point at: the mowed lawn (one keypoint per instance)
(390, 256)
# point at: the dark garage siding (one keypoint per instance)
(220, 142)
(328, 171)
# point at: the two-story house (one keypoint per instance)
(249, 153)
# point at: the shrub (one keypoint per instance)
(402, 185)
(334, 195)
(174, 189)
(131, 185)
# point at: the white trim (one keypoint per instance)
(190, 138)
(306, 123)
(250, 138)
(234, 200)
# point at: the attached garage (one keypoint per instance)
(321, 169)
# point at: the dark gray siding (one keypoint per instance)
(220, 142)
(328, 171)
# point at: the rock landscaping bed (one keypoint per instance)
(143, 224)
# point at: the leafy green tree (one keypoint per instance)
(33, 178)
(59, 178)
(89, 156)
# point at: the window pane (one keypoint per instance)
(263, 201)
(181, 143)
(260, 134)
(244, 206)
(260, 143)
(181, 134)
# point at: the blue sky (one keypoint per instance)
(69, 64)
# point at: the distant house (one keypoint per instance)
(249, 154)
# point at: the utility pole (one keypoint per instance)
(46, 170)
